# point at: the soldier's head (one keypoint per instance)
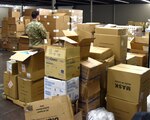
(35, 15)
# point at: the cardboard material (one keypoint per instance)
(28, 12)
(24, 43)
(91, 68)
(88, 27)
(30, 64)
(45, 11)
(11, 85)
(62, 62)
(54, 87)
(30, 91)
(13, 13)
(137, 59)
(118, 44)
(89, 89)
(111, 31)
(139, 46)
(71, 12)
(15, 34)
(78, 116)
(123, 110)
(143, 39)
(100, 53)
(45, 18)
(128, 82)
(57, 108)
(89, 105)
(17, 27)
(12, 67)
(12, 20)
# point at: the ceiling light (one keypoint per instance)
(122, 1)
(146, 1)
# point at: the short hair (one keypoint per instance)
(35, 14)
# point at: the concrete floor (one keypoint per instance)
(8, 111)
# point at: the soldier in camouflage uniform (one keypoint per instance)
(35, 31)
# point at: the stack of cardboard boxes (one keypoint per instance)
(128, 88)
(76, 17)
(62, 70)
(114, 38)
(30, 70)
(90, 76)
(15, 29)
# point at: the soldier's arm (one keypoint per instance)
(43, 31)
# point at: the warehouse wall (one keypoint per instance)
(137, 12)
(101, 13)
(3, 13)
(123, 13)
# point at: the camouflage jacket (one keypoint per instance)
(36, 33)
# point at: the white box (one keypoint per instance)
(54, 87)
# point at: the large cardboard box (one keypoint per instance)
(17, 27)
(78, 116)
(139, 46)
(30, 64)
(63, 62)
(12, 67)
(128, 82)
(123, 110)
(54, 87)
(29, 90)
(88, 27)
(110, 30)
(55, 108)
(13, 13)
(91, 68)
(28, 12)
(12, 20)
(44, 11)
(143, 39)
(100, 53)
(118, 44)
(15, 34)
(45, 18)
(137, 59)
(89, 104)
(89, 89)
(11, 85)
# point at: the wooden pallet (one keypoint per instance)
(17, 102)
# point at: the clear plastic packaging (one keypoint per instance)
(100, 114)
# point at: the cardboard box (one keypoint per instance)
(45, 11)
(45, 18)
(50, 109)
(137, 59)
(12, 20)
(24, 39)
(23, 46)
(100, 53)
(71, 12)
(89, 105)
(90, 89)
(11, 85)
(17, 27)
(91, 68)
(28, 12)
(12, 67)
(54, 87)
(123, 110)
(63, 62)
(30, 64)
(128, 82)
(118, 44)
(88, 27)
(13, 13)
(78, 116)
(15, 34)
(29, 90)
(110, 30)
(139, 46)
(143, 39)
(47, 25)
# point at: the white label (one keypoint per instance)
(45, 16)
(55, 30)
(28, 75)
(145, 48)
(23, 68)
(10, 84)
(48, 23)
(56, 17)
(9, 67)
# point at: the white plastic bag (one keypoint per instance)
(100, 114)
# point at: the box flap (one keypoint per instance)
(59, 14)
(66, 39)
(69, 33)
(22, 55)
